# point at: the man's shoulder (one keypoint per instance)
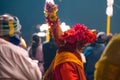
(89, 48)
(46, 43)
(9, 47)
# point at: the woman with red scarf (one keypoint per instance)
(67, 64)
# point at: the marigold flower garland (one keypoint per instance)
(50, 11)
(79, 33)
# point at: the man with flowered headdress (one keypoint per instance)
(15, 63)
(67, 64)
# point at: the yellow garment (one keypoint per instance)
(66, 57)
(108, 66)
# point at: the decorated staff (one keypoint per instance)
(50, 10)
(109, 12)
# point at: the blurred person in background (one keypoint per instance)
(108, 38)
(49, 51)
(35, 51)
(92, 54)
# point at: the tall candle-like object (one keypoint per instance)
(109, 12)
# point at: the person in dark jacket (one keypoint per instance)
(49, 51)
(92, 54)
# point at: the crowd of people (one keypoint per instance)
(78, 53)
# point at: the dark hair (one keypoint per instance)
(35, 43)
(101, 37)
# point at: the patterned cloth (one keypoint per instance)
(9, 27)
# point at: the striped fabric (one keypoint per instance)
(9, 27)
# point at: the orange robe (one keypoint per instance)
(68, 68)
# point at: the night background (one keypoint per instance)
(92, 13)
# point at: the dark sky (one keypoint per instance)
(89, 12)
